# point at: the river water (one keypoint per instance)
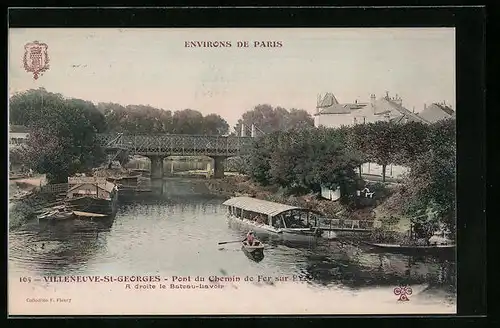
(175, 232)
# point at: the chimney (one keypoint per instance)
(425, 106)
(398, 100)
(387, 94)
(253, 131)
(242, 130)
(413, 109)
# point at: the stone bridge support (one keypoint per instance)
(219, 166)
(156, 166)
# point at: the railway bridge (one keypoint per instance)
(158, 147)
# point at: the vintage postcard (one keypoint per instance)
(235, 171)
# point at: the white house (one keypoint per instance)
(330, 113)
(18, 135)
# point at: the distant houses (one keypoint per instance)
(436, 112)
(332, 114)
(18, 135)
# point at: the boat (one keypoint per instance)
(414, 249)
(254, 252)
(256, 247)
(88, 215)
(280, 221)
(129, 186)
(56, 215)
(93, 197)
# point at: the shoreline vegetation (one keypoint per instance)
(291, 161)
(391, 225)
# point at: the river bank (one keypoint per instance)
(390, 225)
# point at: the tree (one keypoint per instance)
(136, 119)
(213, 124)
(260, 158)
(335, 163)
(432, 178)
(187, 121)
(384, 142)
(413, 143)
(358, 143)
(268, 119)
(62, 132)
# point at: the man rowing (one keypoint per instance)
(249, 238)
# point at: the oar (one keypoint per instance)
(229, 242)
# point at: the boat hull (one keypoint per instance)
(255, 253)
(308, 236)
(94, 204)
(57, 217)
(448, 250)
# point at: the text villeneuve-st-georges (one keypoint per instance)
(171, 282)
(231, 44)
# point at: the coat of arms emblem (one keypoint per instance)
(36, 58)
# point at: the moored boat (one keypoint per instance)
(415, 249)
(95, 197)
(56, 215)
(277, 220)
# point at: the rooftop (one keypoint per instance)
(259, 206)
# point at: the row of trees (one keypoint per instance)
(147, 119)
(302, 160)
(269, 119)
(63, 130)
(62, 133)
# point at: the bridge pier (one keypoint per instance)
(156, 166)
(218, 167)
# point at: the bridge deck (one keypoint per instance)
(172, 144)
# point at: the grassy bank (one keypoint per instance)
(21, 211)
(392, 226)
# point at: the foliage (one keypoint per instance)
(432, 177)
(62, 132)
(140, 119)
(268, 119)
(384, 143)
(302, 160)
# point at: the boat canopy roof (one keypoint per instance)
(259, 206)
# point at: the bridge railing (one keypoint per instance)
(178, 144)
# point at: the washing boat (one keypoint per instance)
(280, 221)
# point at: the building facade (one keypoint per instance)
(18, 135)
(332, 114)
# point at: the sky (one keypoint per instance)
(154, 67)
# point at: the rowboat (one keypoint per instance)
(256, 247)
(254, 252)
(280, 221)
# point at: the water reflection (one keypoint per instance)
(61, 248)
(177, 232)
